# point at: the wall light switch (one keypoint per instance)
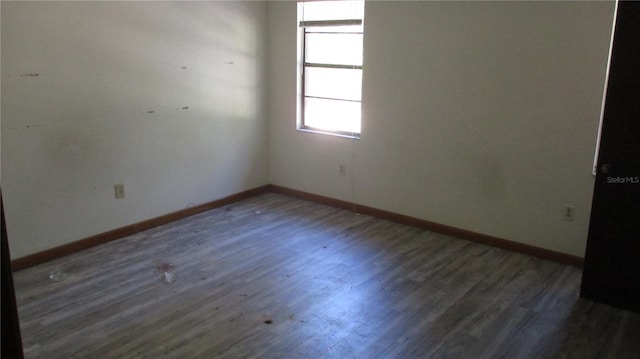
(119, 190)
(569, 213)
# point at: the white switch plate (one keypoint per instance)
(119, 190)
(569, 213)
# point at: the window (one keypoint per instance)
(330, 66)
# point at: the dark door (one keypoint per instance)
(612, 261)
(11, 340)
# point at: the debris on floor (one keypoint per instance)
(57, 275)
(262, 216)
(168, 278)
(166, 270)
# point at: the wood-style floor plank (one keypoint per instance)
(276, 277)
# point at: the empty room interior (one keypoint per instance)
(344, 179)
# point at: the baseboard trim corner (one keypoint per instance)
(526, 249)
(69, 248)
(66, 249)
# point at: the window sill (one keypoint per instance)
(329, 133)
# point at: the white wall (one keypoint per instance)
(107, 107)
(477, 115)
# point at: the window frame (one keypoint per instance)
(303, 65)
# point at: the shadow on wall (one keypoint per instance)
(97, 93)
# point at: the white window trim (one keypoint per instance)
(300, 95)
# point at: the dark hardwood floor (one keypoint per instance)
(276, 277)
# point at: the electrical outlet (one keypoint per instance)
(569, 213)
(119, 190)
(343, 170)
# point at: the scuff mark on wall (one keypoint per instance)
(104, 66)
